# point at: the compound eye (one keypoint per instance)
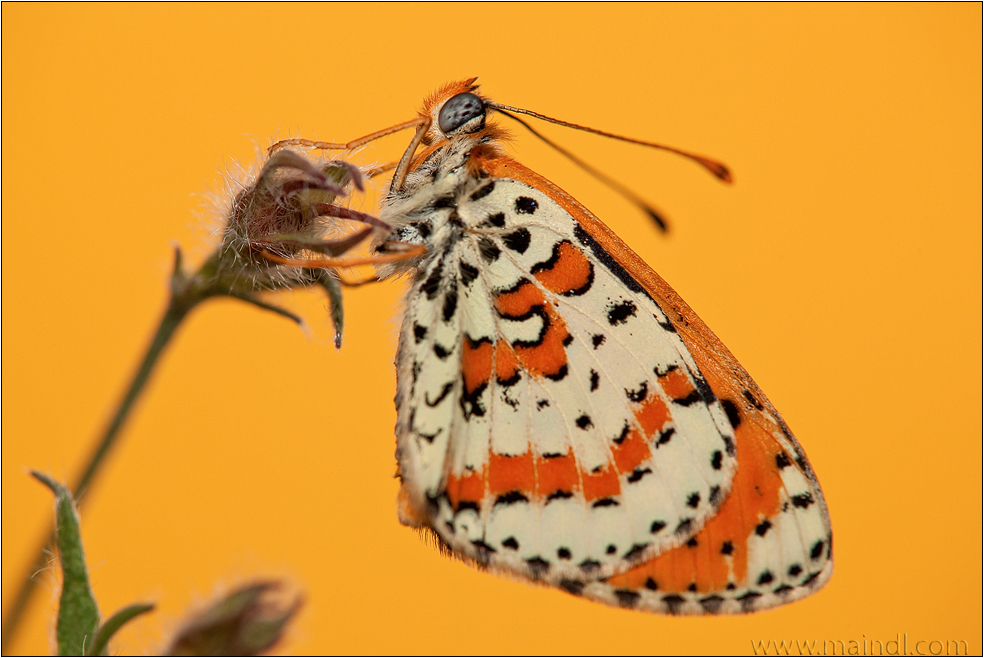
(459, 110)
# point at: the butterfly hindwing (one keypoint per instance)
(566, 454)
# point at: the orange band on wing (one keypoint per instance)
(506, 361)
(548, 357)
(511, 473)
(632, 452)
(468, 489)
(676, 384)
(556, 474)
(517, 303)
(476, 363)
(652, 415)
(571, 271)
(603, 484)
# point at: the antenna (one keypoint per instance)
(719, 170)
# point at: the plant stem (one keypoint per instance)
(183, 299)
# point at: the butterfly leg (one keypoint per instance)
(345, 146)
(412, 251)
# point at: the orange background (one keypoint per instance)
(843, 268)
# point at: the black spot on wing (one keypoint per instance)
(810, 580)
(440, 397)
(782, 461)
(518, 240)
(511, 543)
(597, 340)
(665, 436)
(584, 422)
(665, 323)
(638, 474)
(432, 284)
(817, 550)
(594, 380)
(468, 273)
(636, 551)
(727, 548)
(606, 259)
(752, 399)
(731, 409)
(450, 300)
(716, 459)
(488, 249)
(559, 375)
(705, 389)
(511, 498)
(604, 502)
(803, 500)
(441, 352)
(483, 191)
(525, 205)
(429, 438)
(571, 586)
(538, 566)
(484, 550)
(689, 399)
(496, 219)
(711, 604)
(626, 597)
(623, 435)
(748, 600)
(560, 494)
(419, 333)
(656, 526)
(444, 202)
(763, 528)
(590, 566)
(639, 394)
(512, 380)
(693, 500)
(620, 312)
(550, 263)
(665, 371)
(673, 603)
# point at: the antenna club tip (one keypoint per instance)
(719, 169)
(657, 219)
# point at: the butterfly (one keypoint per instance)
(562, 414)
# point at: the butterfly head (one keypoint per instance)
(456, 110)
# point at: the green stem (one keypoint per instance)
(184, 298)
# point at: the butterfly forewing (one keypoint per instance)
(564, 416)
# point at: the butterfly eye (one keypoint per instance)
(459, 110)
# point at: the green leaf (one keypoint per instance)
(78, 615)
(113, 624)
